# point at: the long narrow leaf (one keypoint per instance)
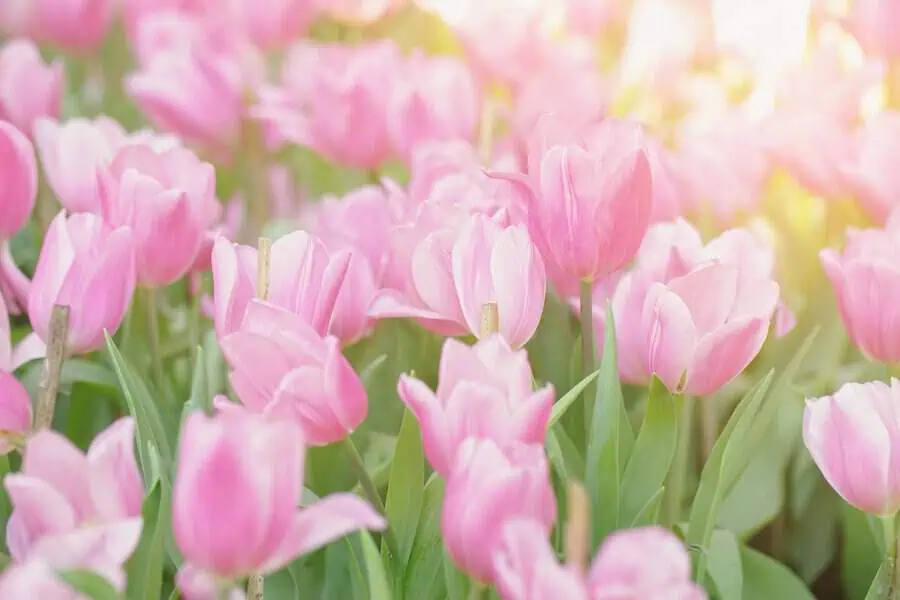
(405, 488)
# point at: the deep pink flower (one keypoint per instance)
(18, 172)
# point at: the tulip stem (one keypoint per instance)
(476, 591)
(153, 335)
(587, 347)
(890, 549)
(255, 587)
(680, 463)
(369, 489)
(56, 355)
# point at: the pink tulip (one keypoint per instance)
(685, 303)
(591, 17)
(455, 273)
(29, 88)
(90, 267)
(280, 364)
(167, 198)
(76, 26)
(871, 177)
(304, 278)
(479, 194)
(591, 201)
(853, 436)
(864, 279)
(484, 391)
(434, 99)
(15, 410)
(875, 24)
(487, 488)
(432, 161)
(73, 153)
(234, 502)
(643, 564)
(35, 579)
(358, 12)
(14, 285)
(274, 23)
(75, 510)
(18, 172)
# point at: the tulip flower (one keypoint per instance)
(234, 502)
(18, 172)
(357, 12)
(14, 285)
(80, 26)
(591, 202)
(875, 23)
(488, 487)
(871, 177)
(69, 507)
(273, 24)
(90, 267)
(29, 88)
(35, 579)
(280, 364)
(73, 154)
(637, 564)
(15, 405)
(866, 280)
(454, 274)
(852, 437)
(167, 198)
(305, 279)
(432, 161)
(434, 99)
(484, 391)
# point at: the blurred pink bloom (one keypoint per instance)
(456, 271)
(281, 365)
(29, 88)
(167, 197)
(434, 98)
(76, 26)
(488, 487)
(875, 24)
(73, 153)
(853, 437)
(685, 303)
(333, 99)
(68, 506)
(866, 281)
(872, 177)
(234, 504)
(15, 405)
(226, 224)
(432, 161)
(90, 267)
(18, 172)
(271, 24)
(305, 279)
(484, 391)
(135, 11)
(14, 285)
(358, 12)
(35, 579)
(592, 198)
(591, 17)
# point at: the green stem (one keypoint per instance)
(156, 364)
(256, 182)
(890, 555)
(680, 463)
(587, 347)
(476, 591)
(369, 490)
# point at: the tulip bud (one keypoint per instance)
(279, 364)
(234, 502)
(18, 172)
(487, 488)
(484, 391)
(871, 176)
(90, 267)
(852, 436)
(29, 88)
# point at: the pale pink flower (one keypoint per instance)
(18, 172)
(29, 87)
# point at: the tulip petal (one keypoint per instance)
(57, 461)
(670, 336)
(116, 486)
(721, 355)
(39, 510)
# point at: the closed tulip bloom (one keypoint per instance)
(18, 172)
(432, 161)
(304, 278)
(274, 24)
(90, 267)
(487, 488)
(165, 197)
(643, 564)
(29, 88)
(484, 391)
(454, 274)
(75, 26)
(866, 279)
(870, 177)
(73, 154)
(234, 502)
(68, 505)
(853, 437)
(280, 364)
(875, 23)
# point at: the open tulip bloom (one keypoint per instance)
(449, 299)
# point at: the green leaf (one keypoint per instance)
(725, 567)
(767, 579)
(91, 585)
(378, 582)
(5, 505)
(457, 583)
(145, 567)
(201, 396)
(151, 432)
(423, 580)
(653, 450)
(563, 404)
(609, 443)
(861, 557)
(369, 371)
(405, 488)
(649, 513)
(881, 584)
